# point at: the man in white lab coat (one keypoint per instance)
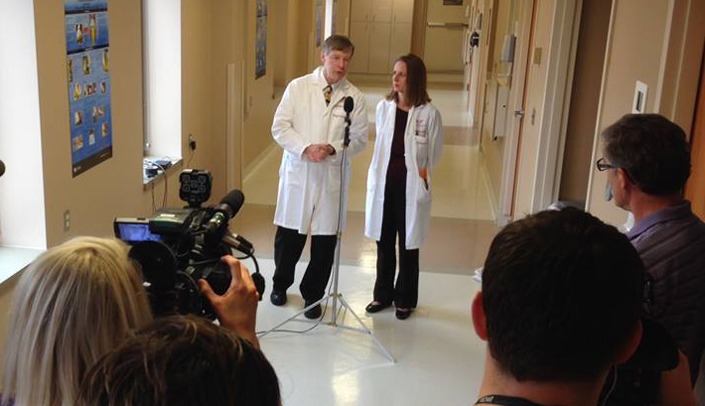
(309, 125)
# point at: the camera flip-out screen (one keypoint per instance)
(132, 230)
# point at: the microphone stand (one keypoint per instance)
(333, 292)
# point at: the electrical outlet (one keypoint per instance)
(191, 142)
(67, 220)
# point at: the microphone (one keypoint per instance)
(348, 107)
(227, 209)
(2, 168)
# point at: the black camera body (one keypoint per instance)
(177, 247)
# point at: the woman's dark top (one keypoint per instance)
(396, 170)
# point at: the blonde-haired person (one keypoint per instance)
(72, 305)
(79, 300)
(408, 144)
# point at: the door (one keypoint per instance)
(695, 189)
(444, 36)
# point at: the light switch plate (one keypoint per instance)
(537, 55)
(640, 93)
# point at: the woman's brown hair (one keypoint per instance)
(416, 93)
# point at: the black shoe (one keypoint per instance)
(402, 314)
(278, 298)
(314, 312)
(375, 307)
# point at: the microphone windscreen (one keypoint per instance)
(234, 200)
(349, 104)
(2, 168)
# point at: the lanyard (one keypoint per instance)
(505, 401)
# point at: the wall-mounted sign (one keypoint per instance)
(452, 2)
(261, 41)
(88, 63)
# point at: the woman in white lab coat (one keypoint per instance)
(408, 144)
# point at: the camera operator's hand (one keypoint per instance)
(237, 308)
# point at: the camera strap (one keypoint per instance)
(505, 401)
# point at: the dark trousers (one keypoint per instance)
(288, 246)
(406, 291)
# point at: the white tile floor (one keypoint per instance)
(439, 357)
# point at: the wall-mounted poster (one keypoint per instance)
(88, 67)
(261, 41)
(319, 23)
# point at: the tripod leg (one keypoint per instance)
(302, 311)
(366, 330)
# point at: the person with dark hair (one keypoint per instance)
(182, 360)
(408, 144)
(647, 160)
(559, 306)
(309, 125)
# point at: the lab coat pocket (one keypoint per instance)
(424, 191)
(295, 171)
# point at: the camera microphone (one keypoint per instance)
(227, 209)
(239, 243)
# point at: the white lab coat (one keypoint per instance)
(423, 143)
(309, 192)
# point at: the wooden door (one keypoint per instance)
(695, 189)
(382, 11)
(360, 10)
(403, 11)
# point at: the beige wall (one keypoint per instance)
(635, 53)
(259, 96)
(584, 101)
(290, 24)
(114, 187)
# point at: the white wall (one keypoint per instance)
(22, 220)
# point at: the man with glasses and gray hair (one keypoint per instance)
(647, 161)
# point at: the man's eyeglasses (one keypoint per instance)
(603, 166)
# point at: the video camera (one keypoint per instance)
(177, 247)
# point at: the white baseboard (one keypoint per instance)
(494, 206)
(259, 161)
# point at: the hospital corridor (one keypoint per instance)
(156, 114)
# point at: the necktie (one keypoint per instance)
(327, 91)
